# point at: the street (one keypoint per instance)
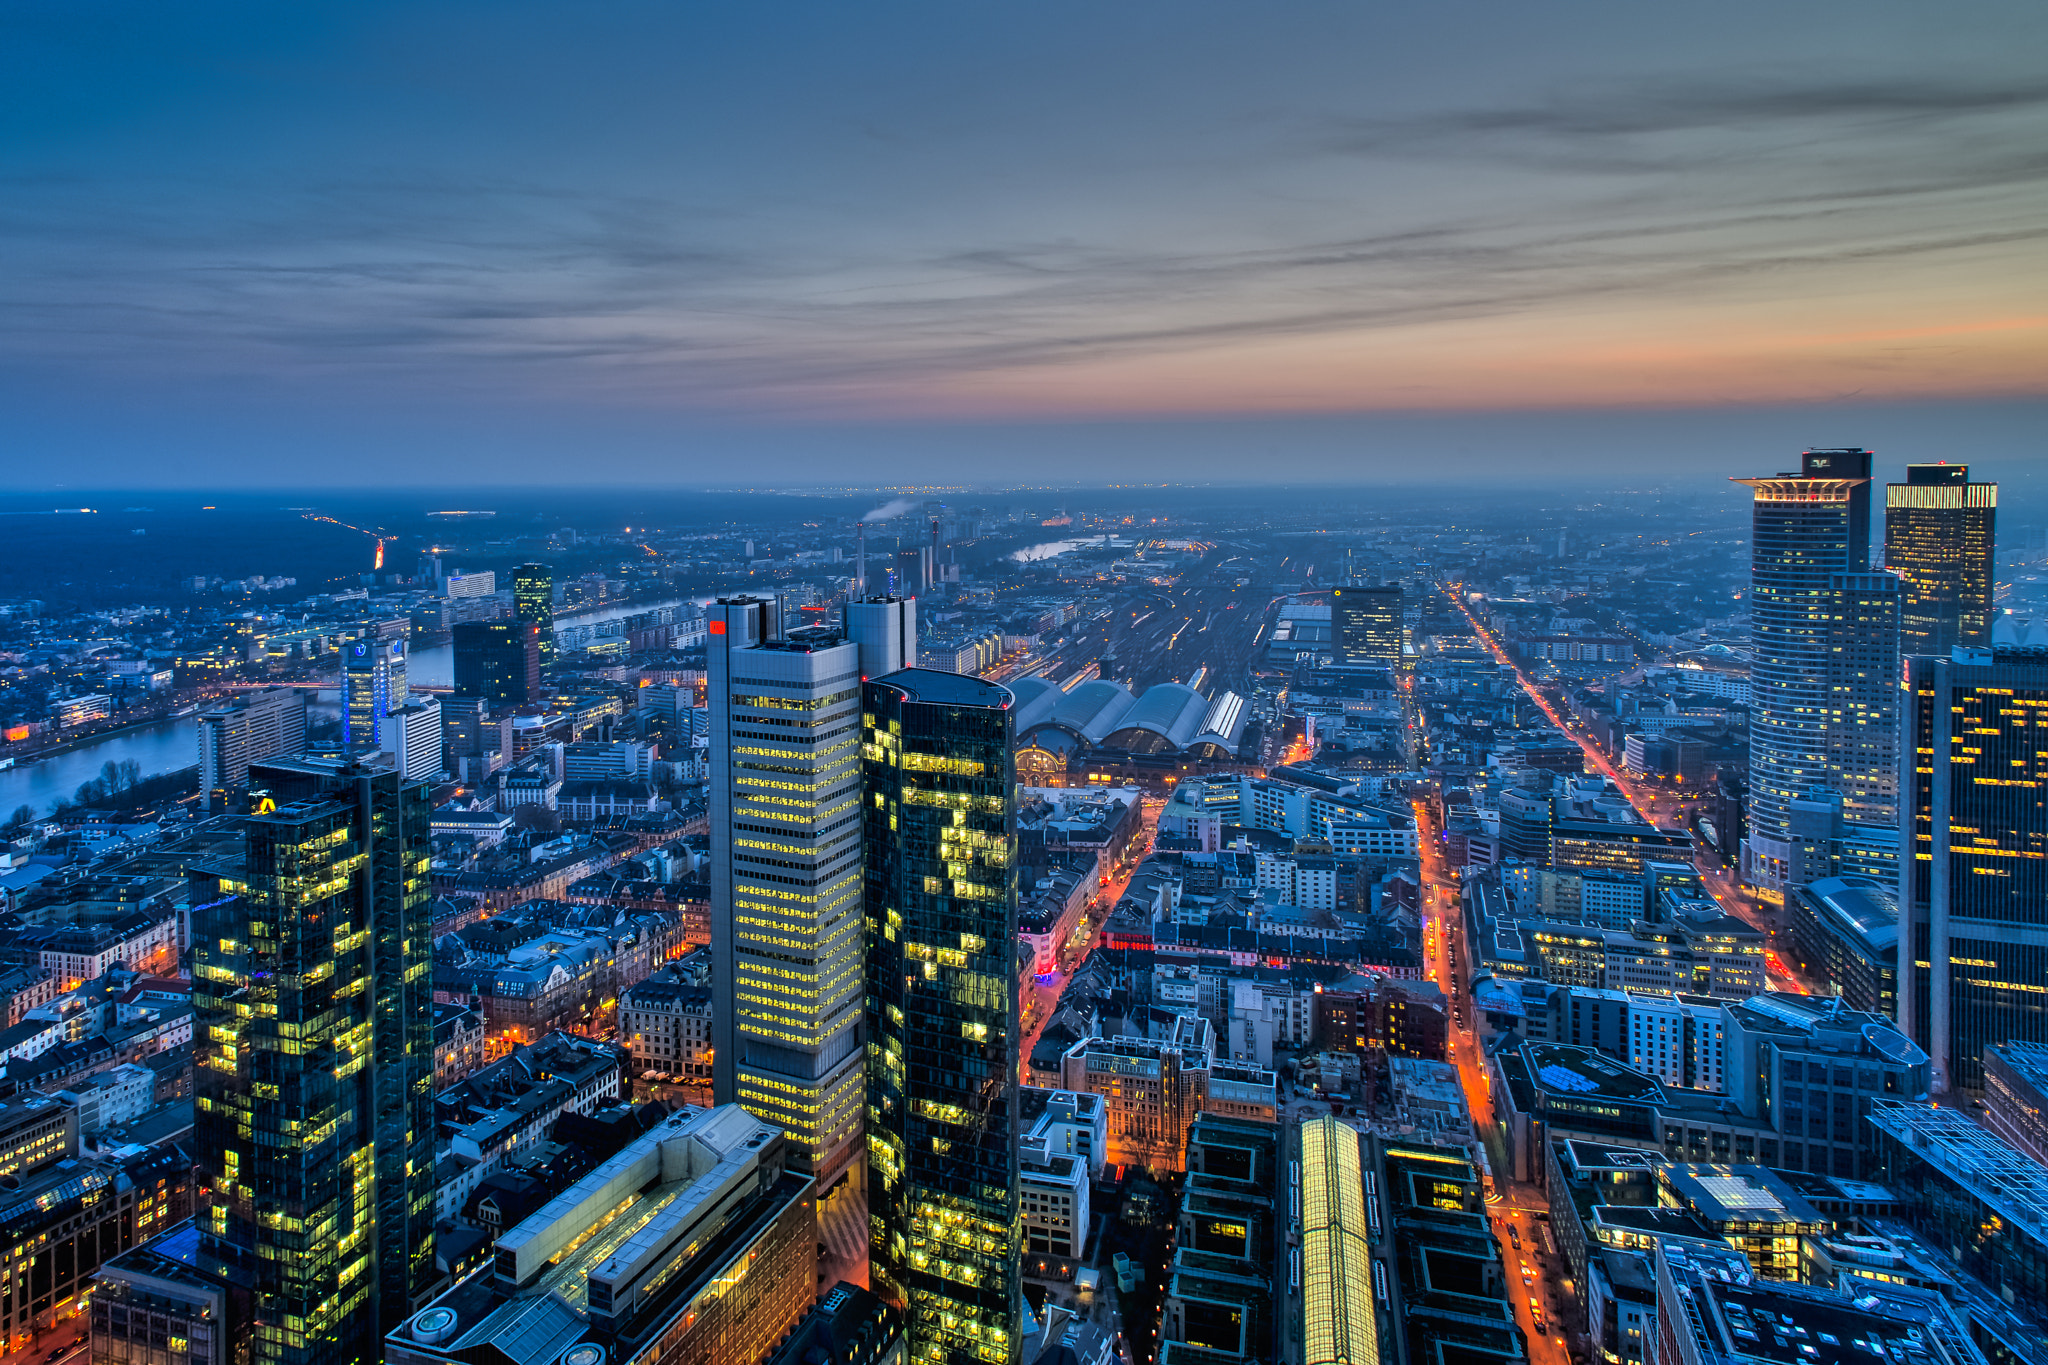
(1537, 1281)
(1720, 883)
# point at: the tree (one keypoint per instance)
(23, 817)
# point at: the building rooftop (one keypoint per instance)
(948, 689)
(1584, 1072)
(1738, 1194)
(2010, 1183)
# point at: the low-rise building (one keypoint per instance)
(665, 1024)
(509, 1106)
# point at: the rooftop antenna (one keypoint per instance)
(860, 560)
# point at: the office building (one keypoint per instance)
(1807, 527)
(1808, 1070)
(1939, 537)
(694, 1245)
(1365, 625)
(784, 794)
(471, 584)
(246, 729)
(533, 602)
(250, 727)
(59, 1221)
(498, 661)
(2016, 1095)
(1863, 698)
(1845, 936)
(847, 1326)
(942, 1026)
(372, 687)
(1221, 1304)
(1974, 893)
(159, 1295)
(412, 736)
(1710, 1311)
(314, 1035)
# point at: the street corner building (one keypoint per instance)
(941, 1015)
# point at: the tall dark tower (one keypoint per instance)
(498, 661)
(941, 1012)
(314, 1039)
(1365, 625)
(533, 601)
(1939, 534)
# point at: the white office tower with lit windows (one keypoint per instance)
(786, 928)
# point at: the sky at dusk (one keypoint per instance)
(437, 243)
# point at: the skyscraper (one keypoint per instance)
(498, 661)
(1365, 628)
(1863, 719)
(1973, 896)
(373, 686)
(313, 1001)
(942, 1028)
(1939, 531)
(250, 727)
(533, 601)
(786, 892)
(1806, 529)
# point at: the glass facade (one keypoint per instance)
(313, 1032)
(1939, 532)
(1863, 692)
(1367, 625)
(373, 686)
(942, 1027)
(1805, 531)
(498, 661)
(533, 601)
(1978, 883)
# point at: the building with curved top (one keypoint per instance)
(1172, 722)
(1339, 1320)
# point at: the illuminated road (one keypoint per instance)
(1537, 1278)
(1720, 883)
(1035, 1006)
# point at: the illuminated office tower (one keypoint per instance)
(1938, 536)
(373, 686)
(312, 994)
(1863, 719)
(1366, 625)
(942, 1025)
(533, 601)
(786, 881)
(1975, 815)
(1807, 528)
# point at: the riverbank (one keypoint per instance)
(26, 757)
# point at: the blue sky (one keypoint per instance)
(433, 242)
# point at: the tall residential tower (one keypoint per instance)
(1938, 536)
(786, 886)
(942, 1027)
(312, 993)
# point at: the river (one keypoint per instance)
(169, 745)
(160, 747)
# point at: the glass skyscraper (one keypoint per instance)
(1365, 625)
(498, 661)
(533, 601)
(942, 1027)
(1808, 527)
(786, 881)
(373, 686)
(1974, 893)
(313, 1035)
(1939, 531)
